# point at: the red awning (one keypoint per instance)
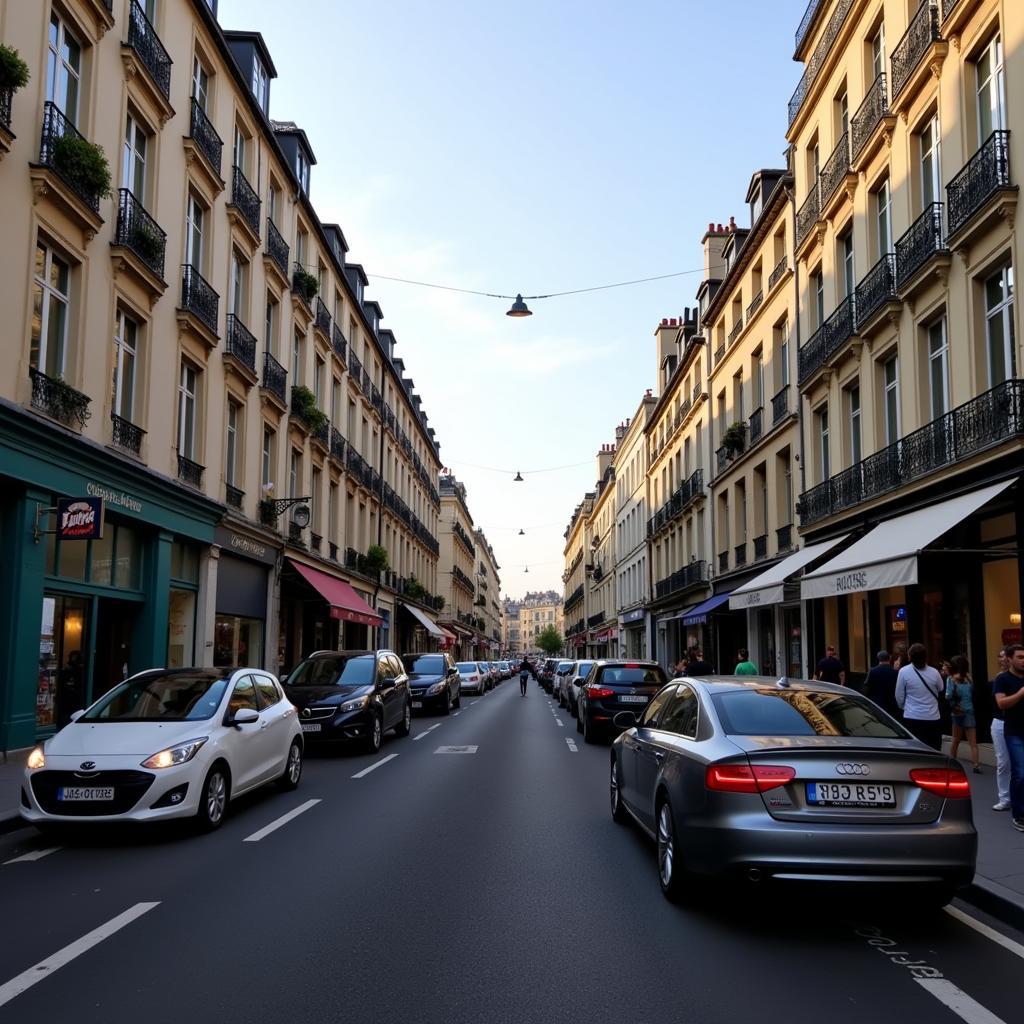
(605, 634)
(447, 634)
(344, 601)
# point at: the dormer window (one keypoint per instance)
(302, 169)
(260, 83)
(755, 207)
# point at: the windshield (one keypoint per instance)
(467, 666)
(182, 697)
(424, 664)
(337, 670)
(563, 667)
(764, 712)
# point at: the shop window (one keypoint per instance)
(63, 634)
(185, 563)
(181, 628)
(238, 642)
(127, 558)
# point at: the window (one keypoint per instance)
(273, 200)
(133, 166)
(842, 114)
(822, 417)
(195, 221)
(294, 472)
(783, 348)
(737, 396)
(853, 399)
(260, 83)
(302, 169)
(315, 495)
(999, 337)
(681, 714)
(50, 298)
(878, 52)
(818, 297)
(931, 171)
(187, 393)
(298, 346)
(657, 704)
(267, 460)
(239, 149)
(239, 277)
(270, 325)
(891, 400)
(991, 79)
(757, 380)
(63, 69)
(883, 218)
(938, 368)
(200, 84)
(318, 381)
(849, 272)
(126, 347)
(332, 512)
(233, 442)
(243, 696)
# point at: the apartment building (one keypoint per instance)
(510, 626)
(462, 614)
(576, 579)
(537, 611)
(907, 237)
(488, 585)
(602, 607)
(195, 350)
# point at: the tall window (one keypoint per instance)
(240, 148)
(302, 169)
(267, 458)
(63, 68)
(332, 512)
(823, 442)
(878, 52)
(126, 350)
(783, 335)
(273, 201)
(260, 83)
(938, 368)
(270, 325)
(758, 380)
(318, 381)
(239, 271)
(50, 300)
(853, 397)
(849, 272)
(195, 223)
(298, 345)
(233, 443)
(843, 113)
(315, 495)
(999, 326)
(883, 218)
(200, 84)
(818, 297)
(133, 165)
(294, 472)
(891, 400)
(991, 79)
(931, 170)
(188, 383)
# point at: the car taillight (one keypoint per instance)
(595, 692)
(951, 783)
(473, 679)
(742, 778)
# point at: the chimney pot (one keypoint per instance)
(664, 321)
(672, 322)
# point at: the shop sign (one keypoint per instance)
(1012, 635)
(633, 616)
(244, 547)
(80, 518)
(111, 497)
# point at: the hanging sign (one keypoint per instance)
(80, 518)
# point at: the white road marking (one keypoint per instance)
(958, 1001)
(43, 969)
(420, 735)
(455, 713)
(572, 744)
(376, 764)
(34, 855)
(456, 750)
(560, 722)
(989, 933)
(283, 820)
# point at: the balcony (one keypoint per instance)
(143, 50)
(917, 56)
(837, 177)
(126, 435)
(818, 59)
(322, 319)
(276, 253)
(737, 330)
(876, 295)
(981, 191)
(760, 547)
(355, 370)
(780, 405)
(778, 273)
(755, 305)
(6, 99)
(199, 305)
(683, 497)
(322, 437)
(691, 575)
(59, 400)
(240, 350)
(275, 381)
(955, 14)
(920, 247)
(756, 424)
(233, 497)
(463, 537)
(338, 445)
(204, 146)
(244, 208)
(784, 537)
(872, 122)
(190, 472)
(808, 215)
(338, 343)
(139, 244)
(805, 22)
(983, 423)
(720, 353)
(827, 340)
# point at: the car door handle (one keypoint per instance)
(659, 756)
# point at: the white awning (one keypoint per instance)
(769, 588)
(424, 620)
(887, 555)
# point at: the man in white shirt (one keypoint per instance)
(918, 687)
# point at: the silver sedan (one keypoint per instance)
(801, 781)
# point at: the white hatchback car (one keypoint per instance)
(166, 743)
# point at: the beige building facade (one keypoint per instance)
(576, 579)
(488, 586)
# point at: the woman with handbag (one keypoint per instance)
(918, 690)
(960, 694)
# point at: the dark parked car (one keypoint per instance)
(615, 686)
(351, 697)
(546, 672)
(434, 681)
(790, 780)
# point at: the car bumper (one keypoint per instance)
(351, 727)
(421, 702)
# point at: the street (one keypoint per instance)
(468, 873)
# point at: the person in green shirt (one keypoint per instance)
(745, 667)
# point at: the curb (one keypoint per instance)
(995, 899)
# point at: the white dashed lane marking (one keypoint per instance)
(456, 750)
(283, 820)
(572, 744)
(375, 765)
(34, 855)
(426, 732)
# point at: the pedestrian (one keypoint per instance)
(918, 688)
(679, 669)
(830, 668)
(899, 656)
(1010, 698)
(880, 685)
(999, 740)
(698, 666)
(744, 667)
(960, 695)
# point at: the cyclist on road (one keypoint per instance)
(525, 670)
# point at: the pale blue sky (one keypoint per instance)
(539, 148)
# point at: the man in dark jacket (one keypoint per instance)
(698, 666)
(880, 685)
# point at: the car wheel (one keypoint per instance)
(213, 799)
(671, 873)
(579, 722)
(376, 735)
(457, 703)
(446, 704)
(588, 732)
(570, 706)
(292, 767)
(618, 811)
(405, 725)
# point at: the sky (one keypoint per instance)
(540, 147)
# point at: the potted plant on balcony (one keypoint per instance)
(376, 558)
(14, 73)
(305, 283)
(83, 165)
(735, 438)
(148, 243)
(304, 407)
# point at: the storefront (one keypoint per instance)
(632, 629)
(244, 594)
(711, 627)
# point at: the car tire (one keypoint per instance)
(405, 723)
(671, 873)
(619, 813)
(579, 723)
(292, 767)
(375, 736)
(213, 798)
(570, 706)
(457, 703)
(588, 732)
(446, 703)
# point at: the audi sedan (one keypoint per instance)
(168, 743)
(789, 781)
(613, 686)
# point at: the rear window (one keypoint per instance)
(563, 666)
(620, 675)
(764, 712)
(467, 666)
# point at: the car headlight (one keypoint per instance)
(435, 688)
(37, 759)
(355, 705)
(178, 754)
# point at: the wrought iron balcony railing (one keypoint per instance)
(6, 98)
(126, 434)
(984, 422)
(805, 21)
(755, 304)
(233, 496)
(136, 230)
(322, 435)
(986, 173)
(828, 339)
(245, 200)
(59, 399)
(737, 330)
(205, 136)
(720, 352)
(464, 538)
(275, 377)
(809, 213)
(835, 170)
(681, 499)
(756, 424)
(355, 369)
(780, 405)
(819, 57)
(240, 342)
(689, 576)
(877, 288)
(869, 115)
(198, 298)
(776, 275)
(722, 456)
(338, 444)
(277, 247)
(322, 319)
(190, 472)
(923, 240)
(142, 38)
(338, 342)
(948, 6)
(58, 135)
(910, 50)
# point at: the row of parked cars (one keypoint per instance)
(173, 743)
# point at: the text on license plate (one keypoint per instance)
(310, 726)
(850, 794)
(417, 703)
(85, 793)
(633, 700)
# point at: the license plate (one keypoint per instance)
(310, 726)
(850, 794)
(633, 700)
(85, 793)
(417, 703)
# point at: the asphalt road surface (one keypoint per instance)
(468, 873)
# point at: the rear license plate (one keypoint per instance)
(310, 726)
(633, 700)
(85, 793)
(850, 794)
(417, 703)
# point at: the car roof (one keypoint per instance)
(619, 662)
(726, 684)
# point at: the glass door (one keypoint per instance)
(63, 642)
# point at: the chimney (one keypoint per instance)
(604, 459)
(620, 432)
(664, 351)
(714, 242)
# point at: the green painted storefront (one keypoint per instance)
(75, 616)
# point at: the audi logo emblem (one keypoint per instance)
(87, 766)
(853, 769)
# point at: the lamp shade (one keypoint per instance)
(519, 308)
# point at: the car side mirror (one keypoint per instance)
(76, 715)
(624, 720)
(245, 716)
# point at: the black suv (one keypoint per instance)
(351, 697)
(615, 686)
(434, 681)
(546, 673)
